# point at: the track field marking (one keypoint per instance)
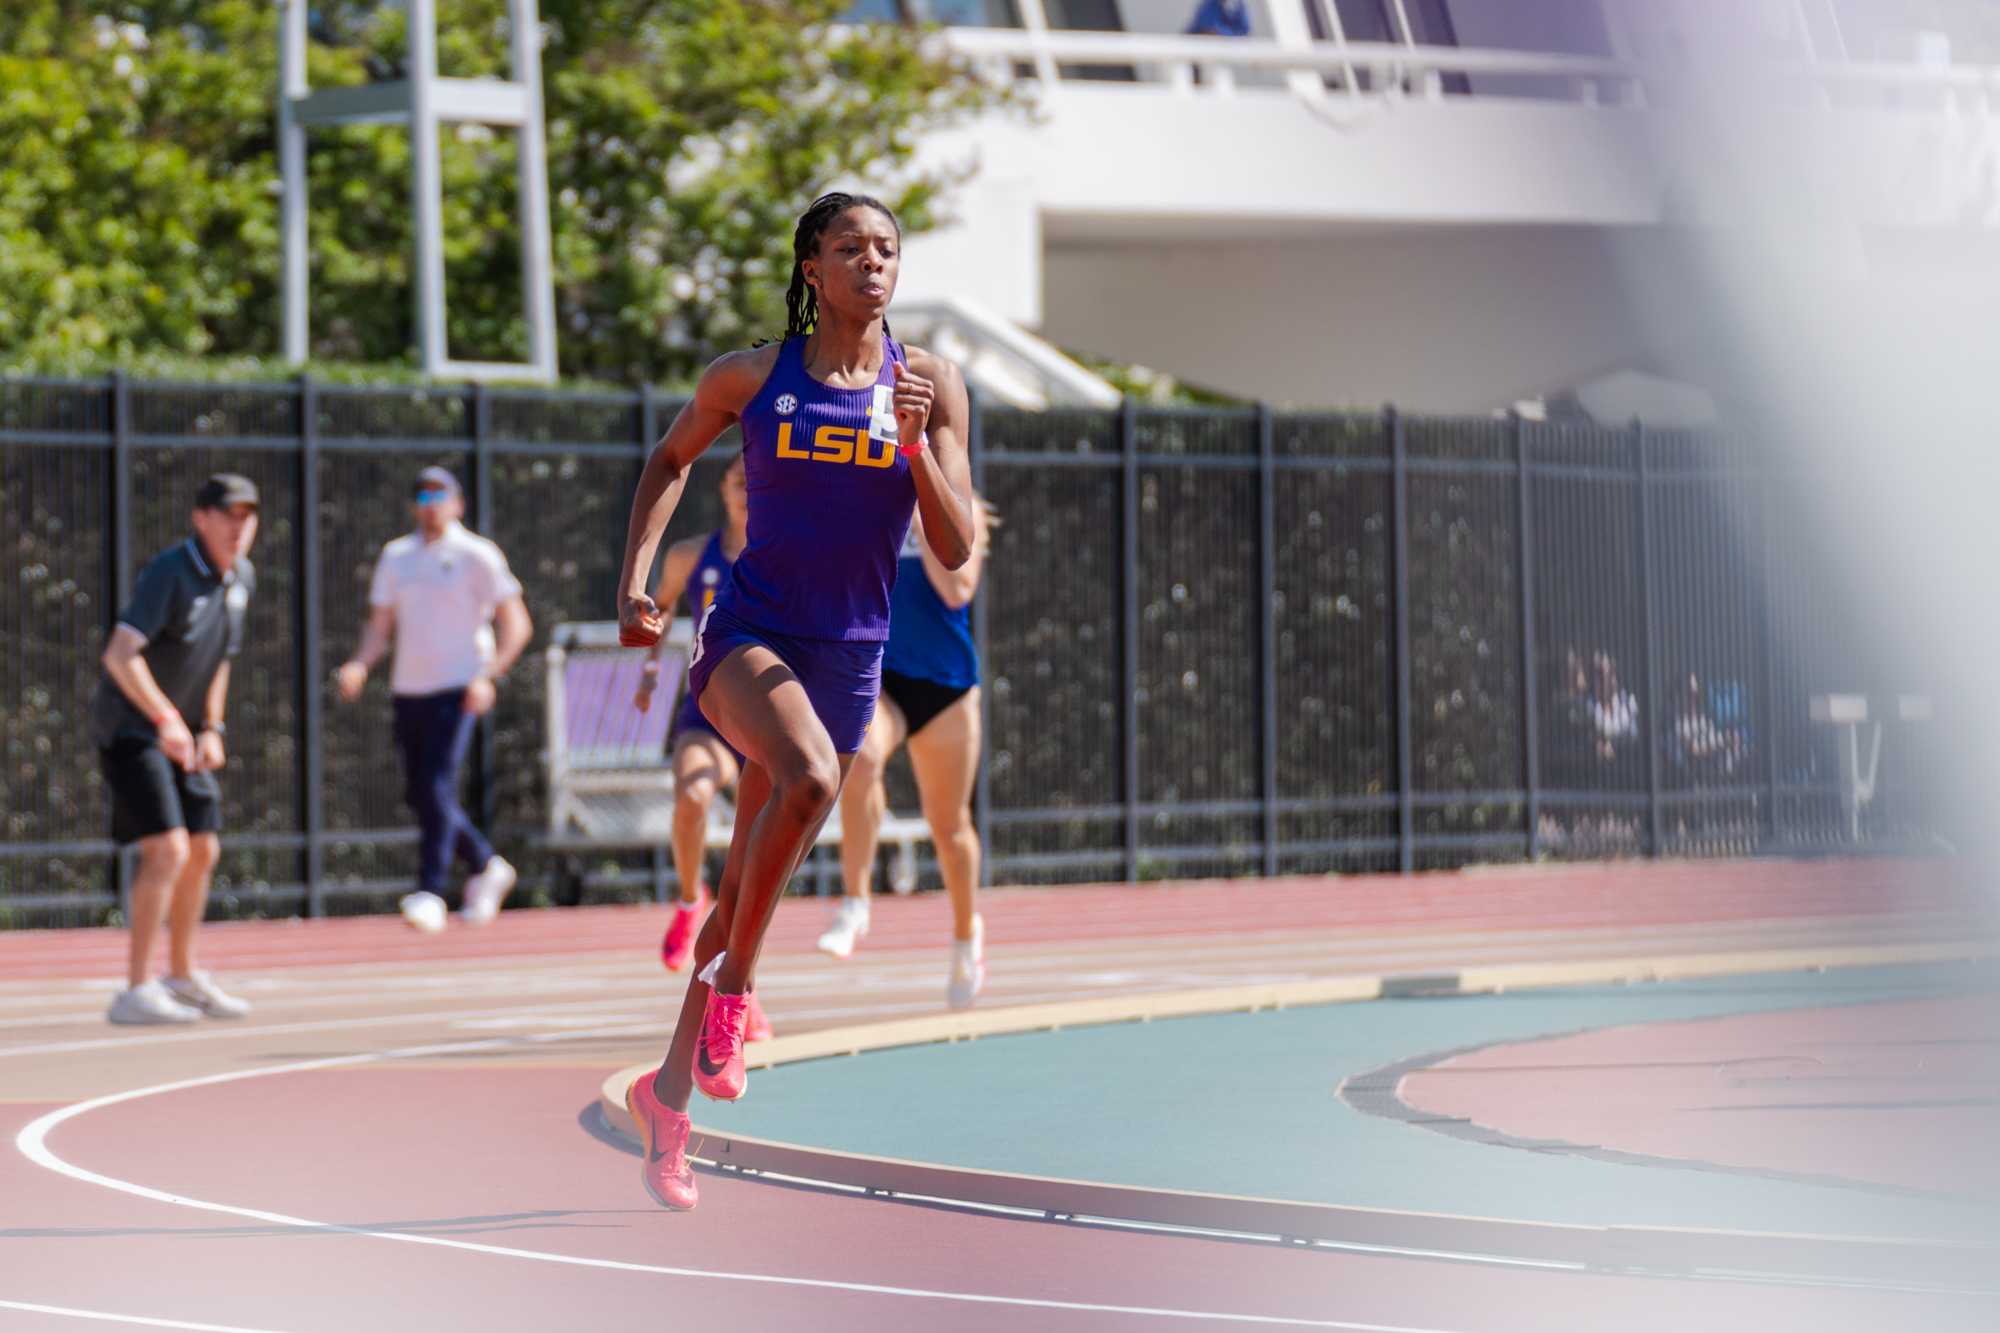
(144, 1321)
(32, 1141)
(907, 974)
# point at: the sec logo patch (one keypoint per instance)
(786, 404)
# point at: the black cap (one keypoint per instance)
(226, 490)
(434, 479)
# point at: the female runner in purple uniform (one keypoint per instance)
(844, 432)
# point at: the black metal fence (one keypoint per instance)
(1215, 642)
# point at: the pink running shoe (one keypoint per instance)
(718, 1054)
(756, 1027)
(663, 1135)
(678, 946)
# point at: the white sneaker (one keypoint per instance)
(150, 1003)
(850, 927)
(423, 911)
(485, 891)
(198, 990)
(968, 967)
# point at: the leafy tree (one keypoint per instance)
(138, 175)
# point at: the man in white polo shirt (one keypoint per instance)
(437, 594)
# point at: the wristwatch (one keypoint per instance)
(215, 727)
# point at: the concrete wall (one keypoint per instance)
(1443, 228)
(1260, 158)
(1442, 319)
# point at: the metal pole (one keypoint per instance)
(1531, 730)
(1267, 634)
(482, 500)
(1767, 719)
(1128, 444)
(312, 683)
(121, 566)
(648, 434)
(292, 86)
(1649, 714)
(532, 168)
(121, 490)
(426, 186)
(1399, 526)
(1405, 34)
(982, 791)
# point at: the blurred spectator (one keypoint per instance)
(1696, 740)
(1220, 18)
(1707, 732)
(1614, 712)
(436, 596)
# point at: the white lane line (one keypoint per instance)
(594, 1008)
(32, 1141)
(222, 1031)
(1101, 969)
(145, 1321)
(327, 985)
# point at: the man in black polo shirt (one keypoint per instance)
(157, 719)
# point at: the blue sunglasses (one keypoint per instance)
(432, 497)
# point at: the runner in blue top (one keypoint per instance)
(930, 699)
(693, 572)
(844, 434)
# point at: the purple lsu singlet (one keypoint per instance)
(708, 577)
(705, 583)
(830, 502)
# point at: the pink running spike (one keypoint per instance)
(756, 1027)
(718, 1056)
(663, 1137)
(678, 946)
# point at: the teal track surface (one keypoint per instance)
(1248, 1104)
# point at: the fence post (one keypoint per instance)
(120, 536)
(483, 792)
(1399, 526)
(658, 862)
(1128, 445)
(1531, 727)
(1649, 712)
(1767, 722)
(1267, 634)
(312, 684)
(982, 790)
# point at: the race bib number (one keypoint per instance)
(700, 629)
(882, 419)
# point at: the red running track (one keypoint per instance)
(495, 1208)
(1605, 898)
(495, 1158)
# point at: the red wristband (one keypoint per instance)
(912, 450)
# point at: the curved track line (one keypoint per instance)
(145, 1321)
(32, 1141)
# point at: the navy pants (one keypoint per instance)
(433, 731)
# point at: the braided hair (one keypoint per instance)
(801, 301)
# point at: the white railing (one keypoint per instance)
(1005, 361)
(1223, 65)
(1219, 64)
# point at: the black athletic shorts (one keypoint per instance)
(921, 700)
(152, 794)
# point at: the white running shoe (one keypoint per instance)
(850, 927)
(198, 990)
(968, 967)
(423, 911)
(150, 1003)
(485, 891)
